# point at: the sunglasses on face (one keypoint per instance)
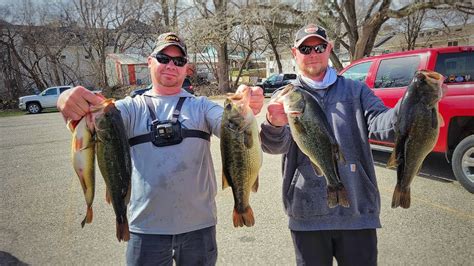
(178, 61)
(320, 48)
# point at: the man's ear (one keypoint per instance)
(149, 61)
(190, 69)
(330, 45)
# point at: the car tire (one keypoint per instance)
(33, 108)
(463, 163)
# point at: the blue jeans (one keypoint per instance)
(193, 248)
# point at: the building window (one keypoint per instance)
(453, 43)
(271, 58)
(272, 70)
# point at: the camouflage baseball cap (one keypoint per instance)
(310, 30)
(168, 39)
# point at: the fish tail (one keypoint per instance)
(245, 218)
(401, 197)
(122, 231)
(332, 196)
(342, 197)
(108, 197)
(88, 217)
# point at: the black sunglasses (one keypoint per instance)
(320, 48)
(178, 61)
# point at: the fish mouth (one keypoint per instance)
(240, 100)
(286, 90)
(437, 79)
(294, 113)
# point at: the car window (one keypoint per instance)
(289, 76)
(396, 72)
(272, 78)
(52, 91)
(456, 67)
(358, 72)
(61, 90)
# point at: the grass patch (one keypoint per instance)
(17, 112)
(13, 112)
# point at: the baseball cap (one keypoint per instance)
(168, 39)
(310, 30)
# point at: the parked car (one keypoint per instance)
(46, 99)
(389, 74)
(276, 81)
(186, 86)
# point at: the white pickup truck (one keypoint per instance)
(46, 99)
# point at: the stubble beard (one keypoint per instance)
(314, 71)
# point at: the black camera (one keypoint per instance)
(166, 133)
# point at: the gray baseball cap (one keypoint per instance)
(310, 30)
(168, 39)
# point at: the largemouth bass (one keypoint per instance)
(83, 160)
(241, 155)
(113, 158)
(313, 135)
(416, 131)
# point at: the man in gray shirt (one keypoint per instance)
(172, 210)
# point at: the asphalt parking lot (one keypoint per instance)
(42, 206)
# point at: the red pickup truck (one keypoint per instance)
(389, 74)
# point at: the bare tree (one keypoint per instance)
(108, 23)
(362, 29)
(213, 27)
(413, 24)
(34, 52)
(245, 39)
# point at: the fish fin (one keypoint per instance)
(255, 185)
(392, 161)
(108, 198)
(72, 124)
(88, 217)
(332, 196)
(434, 118)
(401, 197)
(342, 198)
(440, 120)
(129, 193)
(90, 145)
(122, 231)
(225, 184)
(248, 140)
(246, 218)
(340, 155)
(318, 170)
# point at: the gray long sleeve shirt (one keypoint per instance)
(354, 113)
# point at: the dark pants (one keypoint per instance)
(349, 247)
(193, 248)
